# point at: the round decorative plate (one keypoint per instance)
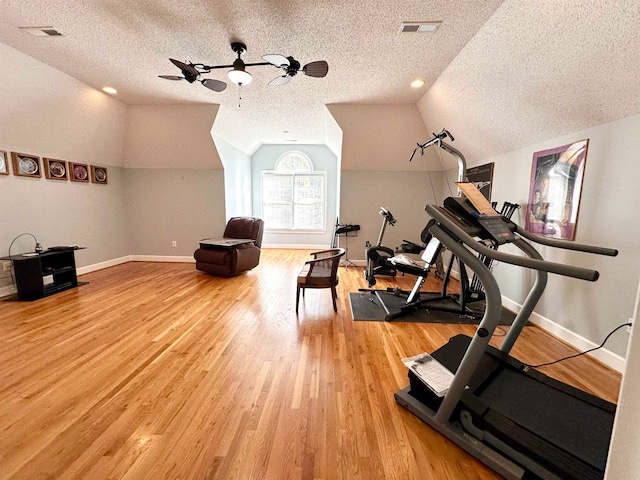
(56, 169)
(101, 175)
(80, 172)
(27, 165)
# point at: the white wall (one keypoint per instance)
(174, 179)
(46, 112)
(379, 137)
(323, 159)
(607, 217)
(237, 179)
(143, 208)
(185, 205)
(624, 461)
(170, 136)
(405, 194)
(376, 145)
(49, 114)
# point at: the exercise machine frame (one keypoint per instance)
(378, 254)
(461, 416)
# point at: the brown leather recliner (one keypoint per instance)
(237, 252)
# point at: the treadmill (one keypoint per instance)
(516, 420)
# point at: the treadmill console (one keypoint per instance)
(494, 227)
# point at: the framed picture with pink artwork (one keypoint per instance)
(79, 172)
(554, 190)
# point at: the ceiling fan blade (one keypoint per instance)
(213, 84)
(186, 69)
(281, 80)
(317, 69)
(171, 77)
(276, 60)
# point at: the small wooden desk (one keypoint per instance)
(39, 275)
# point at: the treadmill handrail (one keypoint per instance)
(546, 266)
(565, 244)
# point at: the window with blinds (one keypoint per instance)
(293, 195)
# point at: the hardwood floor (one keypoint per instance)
(157, 371)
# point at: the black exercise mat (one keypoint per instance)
(366, 307)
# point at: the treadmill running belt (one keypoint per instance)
(578, 427)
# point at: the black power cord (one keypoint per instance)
(582, 353)
(37, 249)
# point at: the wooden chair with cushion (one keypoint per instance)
(321, 272)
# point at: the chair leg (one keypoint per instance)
(297, 298)
(334, 295)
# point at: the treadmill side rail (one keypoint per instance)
(454, 432)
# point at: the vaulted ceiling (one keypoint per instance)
(499, 74)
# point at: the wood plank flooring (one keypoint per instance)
(157, 371)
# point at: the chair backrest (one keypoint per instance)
(431, 251)
(425, 236)
(325, 264)
(245, 227)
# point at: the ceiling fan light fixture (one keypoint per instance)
(191, 71)
(238, 74)
(239, 77)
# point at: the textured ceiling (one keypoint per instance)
(127, 44)
(498, 75)
(538, 70)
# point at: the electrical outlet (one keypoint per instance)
(174, 244)
(629, 329)
(6, 266)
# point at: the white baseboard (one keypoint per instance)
(101, 265)
(162, 258)
(8, 290)
(603, 355)
(295, 246)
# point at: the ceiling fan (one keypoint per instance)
(238, 74)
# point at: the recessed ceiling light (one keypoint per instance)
(110, 90)
(417, 83)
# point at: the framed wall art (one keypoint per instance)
(554, 191)
(4, 163)
(482, 177)
(99, 175)
(25, 165)
(79, 172)
(55, 169)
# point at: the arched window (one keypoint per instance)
(292, 162)
(293, 195)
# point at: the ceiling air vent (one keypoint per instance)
(419, 27)
(42, 31)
